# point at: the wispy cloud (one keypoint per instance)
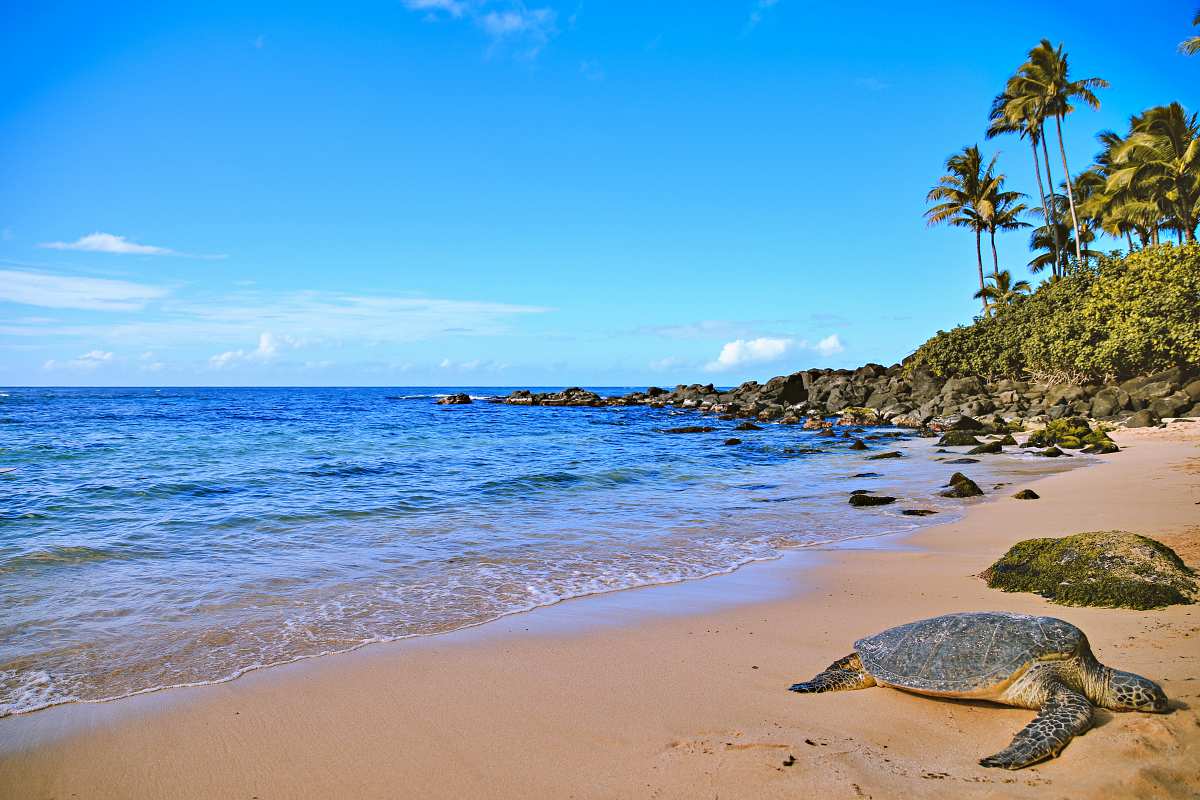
(268, 348)
(757, 13)
(117, 245)
(87, 362)
(514, 26)
(829, 346)
(65, 291)
(455, 8)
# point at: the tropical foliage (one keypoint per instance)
(1117, 318)
(1191, 46)
(1002, 290)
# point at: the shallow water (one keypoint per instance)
(153, 538)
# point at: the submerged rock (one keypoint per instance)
(962, 461)
(747, 426)
(917, 512)
(733, 441)
(858, 444)
(690, 429)
(986, 448)
(860, 500)
(889, 454)
(1101, 568)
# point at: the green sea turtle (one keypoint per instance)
(1012, 659)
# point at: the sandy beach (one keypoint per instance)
(677, 691)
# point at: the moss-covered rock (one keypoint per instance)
(860, 415)
(986, 448)
(889, 454)
(962, 486)
(1073, 433)
(1008, 440)
(958, 439)
(861, 500)
(1102, 568)
(1027, 494)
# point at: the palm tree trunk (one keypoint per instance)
(1070, 192)
(1129, 238)
(1037, 172)
(979, 262)
(995, 258)
(1051, 208)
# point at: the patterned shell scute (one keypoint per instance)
(964, 652)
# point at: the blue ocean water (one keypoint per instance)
(163, 537)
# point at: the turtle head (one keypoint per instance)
(1130, 692)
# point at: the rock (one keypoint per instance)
(889, 454)
(958, 439)
(860, 500)
(690, 429)
(816, 424)
(732, 441)
(655, 391)
(1007, 439)
(1072, 432)
(1027, 494)
(1142, 419)
(962, 461)
(866, 475)
(859, 416)
(858, 444)
(1108, 401)
(747, 426)
(962, 486)
(1171, 405)
(906, 421)
(917, 512)
(825, 432)
(1050, 452)
(1063, 395)
(460, 399)
(987, 448)
(1102, 568)
(1192, 390)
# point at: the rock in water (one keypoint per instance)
(958, 439)
(889, 454)
(690, 429)
(1027, 494)
(870, 500)
(917, 512)
(747, 426)
(460, 399)
(1102, 568)
(986, 448)
(962, 486)
(733, 441)
(858, 444)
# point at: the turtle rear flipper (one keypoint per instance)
(1065, 714)
(842, 675)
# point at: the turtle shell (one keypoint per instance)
(961, 653)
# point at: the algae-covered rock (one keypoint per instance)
(1027, 494)
(858, 444)
(986, 448)
(1073, 433)
(958, 439)
(889, 454)
(962, 486)
(1101, 568)
(860, 500)
(1007, 439)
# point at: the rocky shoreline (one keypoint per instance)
(904, 397)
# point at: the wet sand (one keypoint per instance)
(679, 691)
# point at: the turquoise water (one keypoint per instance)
(153, 538)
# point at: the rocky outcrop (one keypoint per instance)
(1103, 568)
(962, 486)
(461, 399)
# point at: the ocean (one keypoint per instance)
(165, 537)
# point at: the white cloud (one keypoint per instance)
(65, 291)
(829, 346)
(109, 243)
(88, 361)
(268, 348)
(454, 8)
(753, 351)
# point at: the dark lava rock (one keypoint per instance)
(862, 491)
(1007, 439)
(1142, 419)
(962, 486)
(1102, 568)
(889, 454)
(825, 432)
(958, 439)
(460, 399)
(1051, 452)
(747, 426)
(866, 475)
(1027, 494)
(987, 448)
(733, 441)
(965, 423)
(859, 444)
(690, 429)
(962, 461)
(917, 512)
(859, 500)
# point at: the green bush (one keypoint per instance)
(1123, 317)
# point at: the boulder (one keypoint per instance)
(889, 454)
(961, 486)
(1101, 568)
(690, 429)
(861, 500)
(958, 439)
(460, 399)
(907, 421)
(747, 426)
(1027, 494)
(732, 441)
(986, 448)
(962, 461)
(858, 444)
(917, 512)
(1050, 452)
(1170, 406)
(859, 415)
(1142, 419)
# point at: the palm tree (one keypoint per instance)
(1002, 213)
(1161, 158)
(1043, 83)
(962, 198)
(1119, 210)
(1042, 241)
(1010, 115)
(1189, 47)
(1002, 291)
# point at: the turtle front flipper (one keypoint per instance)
(1065, 714)
(840, 676)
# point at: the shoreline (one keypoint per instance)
(660, 704)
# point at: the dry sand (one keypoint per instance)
(674, 692)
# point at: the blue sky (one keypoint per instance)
(485, 192)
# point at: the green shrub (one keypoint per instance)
(1123, 317)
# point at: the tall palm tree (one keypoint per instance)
(1161, 157)
(1002, 213)
(1002, 291)
(1044, 83)
(1011, 115)
(962, 198)
(1117, 210)
(1189, 47)
(1041, 241)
